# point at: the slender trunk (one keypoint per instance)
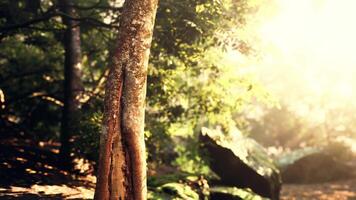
(73, 87)
(122, 161)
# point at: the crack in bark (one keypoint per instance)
(111, 168)
(128, 167)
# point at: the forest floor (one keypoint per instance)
(28, 171)
(339, 190)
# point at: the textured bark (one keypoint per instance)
(73, 87)
(122, 163)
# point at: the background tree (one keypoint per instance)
(34, 41)
(73, 87)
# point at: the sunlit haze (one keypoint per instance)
(307, 50)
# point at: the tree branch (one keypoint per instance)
(97, 6)
(88, 20)
(48, 15)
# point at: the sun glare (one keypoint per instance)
(308, 49)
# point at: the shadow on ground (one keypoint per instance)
(22, 196)
(29, 171)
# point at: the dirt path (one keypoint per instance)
(29, 172)
(42, 192)
(340, 190)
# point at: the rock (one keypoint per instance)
(241, 162)
(288, 158)
(315, 168)
(226, 196)
(178, 191)
(178, 185)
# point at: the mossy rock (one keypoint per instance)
(155, 181)
(178, 185)
(316, 168)
(233, 193)
(241, 162)
(288, 158)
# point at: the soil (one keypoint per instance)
(29, 171)
(339, 190)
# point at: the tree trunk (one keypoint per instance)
(122, 161)
(73, 87)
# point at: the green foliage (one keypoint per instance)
(87, 143)
(193, 80)
(29, 64)
(175, 188)
(32, 65)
